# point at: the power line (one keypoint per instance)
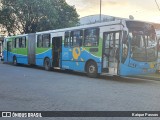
(157, 5)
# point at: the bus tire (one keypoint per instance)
(15, 61)
(91, 69)
(47, 64)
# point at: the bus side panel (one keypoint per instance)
(76, 58)
(21, 56)
(21, 53)
(41, 54)
(139, 69)
(10, 57)
(78, 66)
(22, 59)
(7, 56)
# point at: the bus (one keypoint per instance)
(120, 47)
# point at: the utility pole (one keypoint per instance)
(157, 5)
(100, 16)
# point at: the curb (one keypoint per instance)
(155, 77)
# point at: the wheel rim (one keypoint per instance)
(92, 69)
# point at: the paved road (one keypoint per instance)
(32, 89)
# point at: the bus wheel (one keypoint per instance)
(47, 64)
(92, 69)
(14, 61)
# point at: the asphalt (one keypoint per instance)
(25, 88)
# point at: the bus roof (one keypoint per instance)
(16, 36)
(83, 26)
(116, 22)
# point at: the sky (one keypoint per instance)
(145, 10)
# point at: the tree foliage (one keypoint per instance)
(28, 16)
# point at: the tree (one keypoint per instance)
(29, 16)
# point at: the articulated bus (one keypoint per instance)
(121, 47)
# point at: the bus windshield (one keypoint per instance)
(143, 46)
(143, 41)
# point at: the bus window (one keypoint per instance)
(39, 41)
(117, 37)
(17, 42)
(22, 42)
(9, 46)
(14, 43)
(71, 41)
(46, 40)
(143, 46)
(77, 37)
(43, 41)
(67, 40)
(91, 37)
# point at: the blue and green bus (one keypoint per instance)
(121, 47)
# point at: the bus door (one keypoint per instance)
(31, 48)
(9, 48)
(111, 52)
(56, 51)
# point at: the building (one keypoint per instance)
(96, 18)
